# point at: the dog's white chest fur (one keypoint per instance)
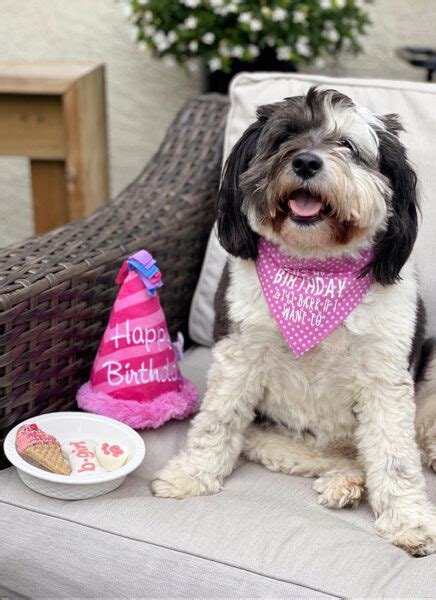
(317, 391)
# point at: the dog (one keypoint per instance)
(318, 178)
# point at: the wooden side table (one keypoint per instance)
(55, 114)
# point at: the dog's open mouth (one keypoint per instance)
(306, 208)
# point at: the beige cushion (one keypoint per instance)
(416, 105)
(264, 536)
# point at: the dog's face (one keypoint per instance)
(319, 176)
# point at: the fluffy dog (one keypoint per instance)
(319, 177)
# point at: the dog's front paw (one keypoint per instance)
(418, 539)
(338, 489)
(172, 482)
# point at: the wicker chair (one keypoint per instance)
(56, 290)
(265, 536)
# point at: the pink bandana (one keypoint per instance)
(309, 298)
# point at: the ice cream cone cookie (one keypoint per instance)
(111, 456)
(34, 443)
(82, 458)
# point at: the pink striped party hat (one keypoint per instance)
(136, 377)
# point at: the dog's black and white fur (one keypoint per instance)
(357, 408)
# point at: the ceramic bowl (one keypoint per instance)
(67, 426)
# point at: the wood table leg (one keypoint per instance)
(50, 199)
(84, 110)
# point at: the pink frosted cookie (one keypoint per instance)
(82, 458)
(111, 456)
(41, 447)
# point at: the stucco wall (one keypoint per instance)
(143, 95)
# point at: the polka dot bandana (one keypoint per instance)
(309, 298)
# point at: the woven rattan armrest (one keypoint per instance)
(56, 290)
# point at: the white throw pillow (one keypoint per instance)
(416, 105)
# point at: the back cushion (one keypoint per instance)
(416, 105)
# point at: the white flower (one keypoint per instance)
(142, 46)
(320, 62)
(332, 35)
(162, 46)
(143, 2)
(284, 53)
(299, 16)
(325, 4)
(270, 40)
(149, 30)
(253, 50)
(208, 38)
(302, 46)
(148, 17)
(190, 3)
(329, 25)
(279, 14)
(215, 64)
(221, 9)
(193, 45)
(161, 42)
(340, 3)
(255, 25)
(245, 17)
(190, 22)
(127, 10)
(237, 51)
(172, 37)
(133, 32)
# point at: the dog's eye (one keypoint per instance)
(344, 143)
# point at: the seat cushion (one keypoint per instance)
(413, 101)
(263, 536)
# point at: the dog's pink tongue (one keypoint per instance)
(305, 205)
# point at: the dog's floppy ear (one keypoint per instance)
(234, 232)
(396, 245)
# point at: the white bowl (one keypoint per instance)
(67, 426)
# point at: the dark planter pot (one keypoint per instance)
(218, 81)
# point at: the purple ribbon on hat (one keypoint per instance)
(145, 266)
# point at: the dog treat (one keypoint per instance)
(32, 442)
(111, 456)
(82, 458)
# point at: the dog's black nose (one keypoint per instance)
(306, 164)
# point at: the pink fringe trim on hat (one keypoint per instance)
(170, 405)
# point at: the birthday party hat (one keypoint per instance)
(136, 377)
